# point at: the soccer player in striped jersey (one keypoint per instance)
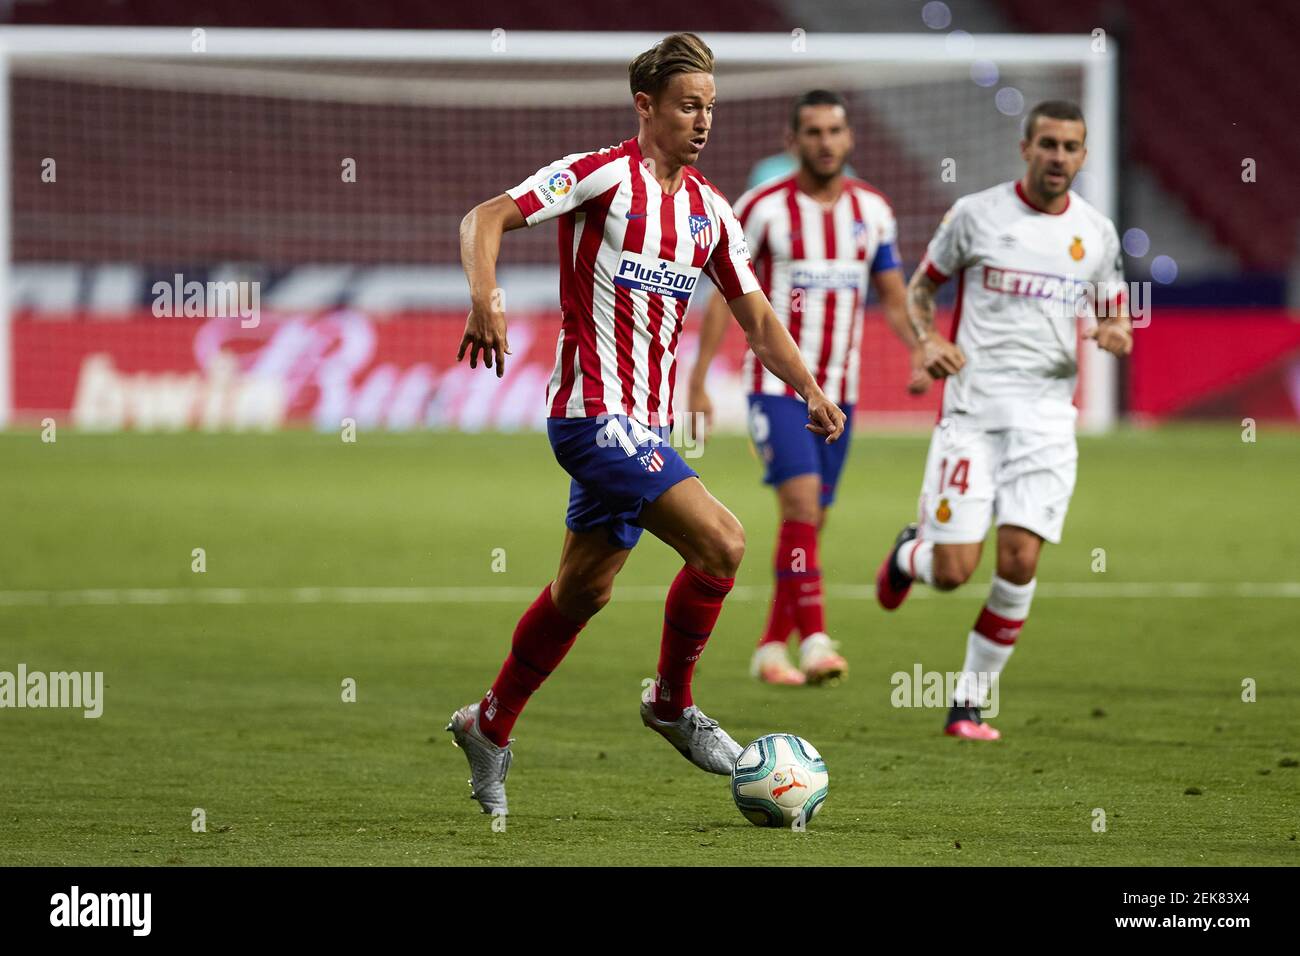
(1029, 259)
(638, 224)
(816, 235)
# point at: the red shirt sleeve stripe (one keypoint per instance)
(933, 273)
(528, 203)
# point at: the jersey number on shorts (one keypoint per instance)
(960, 477)
(614, 429)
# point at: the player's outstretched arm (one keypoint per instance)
(940, 357)
(712, 329)
(892, 292)
(480, 243)
(773, 346)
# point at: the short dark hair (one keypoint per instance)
(677, 53)
(815, 98)
(1054, 109)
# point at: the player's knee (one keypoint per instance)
(1019, 568)
(725, 549)
(951, 573)
(1017, 562)
(581, 598)
(731, 550)
(808, 512)
(949, 579)
(800, 499)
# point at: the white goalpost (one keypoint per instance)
(223, 146)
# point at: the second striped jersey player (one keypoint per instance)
(819, 238)
(814, 260)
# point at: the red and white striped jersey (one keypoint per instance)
(630, 257)
(813, 262)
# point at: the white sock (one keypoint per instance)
(916, 560)
(1003, 614)
(1011, 600)
(984, 660)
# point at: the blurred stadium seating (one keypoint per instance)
(1234, 66)
(165, 171)
(739, 15)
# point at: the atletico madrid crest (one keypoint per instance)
(702, 231)
(859, 232)
(653, 461)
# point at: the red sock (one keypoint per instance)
(694, 602)
(998, 629)
(801, 576)
(542, 637)
(780, 620)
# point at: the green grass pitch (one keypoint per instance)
(231, 701)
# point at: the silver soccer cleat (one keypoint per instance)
(488, 763)
(698, 738)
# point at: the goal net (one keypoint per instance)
(257, 228)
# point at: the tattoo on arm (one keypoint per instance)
(920, 305)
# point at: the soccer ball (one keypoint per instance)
(779, 780)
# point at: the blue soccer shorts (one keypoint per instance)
(618, 466)
(788, 449)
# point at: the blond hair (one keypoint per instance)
(679, 53)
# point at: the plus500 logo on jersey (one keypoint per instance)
(822, 274)
(661, 276)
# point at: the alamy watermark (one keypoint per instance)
(78, 690)
(637, 440)
(939, 689)
(208, 300)
(129, 910)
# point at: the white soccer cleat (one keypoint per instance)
(488, 763)
(771, 665)
(819, 661)
(697, 738)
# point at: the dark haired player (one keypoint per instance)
(1029, 258)
(816, 236)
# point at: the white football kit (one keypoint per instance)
(1004, 447)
